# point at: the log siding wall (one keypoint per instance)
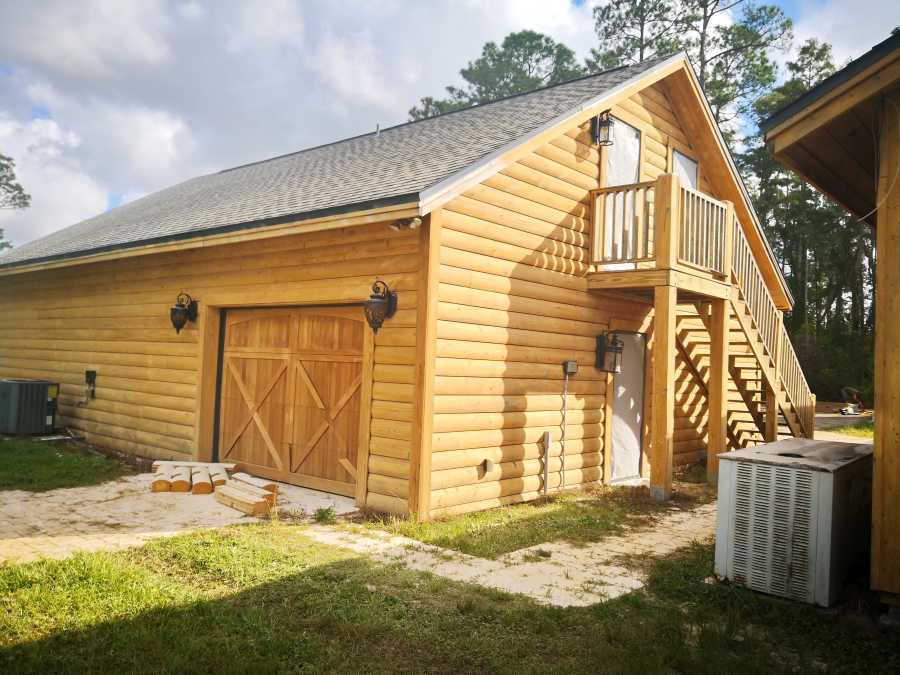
(113, 317)
(513, 304)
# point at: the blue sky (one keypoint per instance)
(102, 101)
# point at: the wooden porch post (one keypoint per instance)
(771, 415)
(718, 387)
(668, 201)
(665, 300)
(772, 394)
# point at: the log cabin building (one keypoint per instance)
(843, 136)
(517, 236)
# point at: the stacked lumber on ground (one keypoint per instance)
(248, 494)
(199, 478)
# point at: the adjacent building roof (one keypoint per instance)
(393, 166)
(831, 83)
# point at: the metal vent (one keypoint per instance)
(773, 530)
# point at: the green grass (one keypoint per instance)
(263, 598)
(864, 429)
(37, 466)
(575, 517)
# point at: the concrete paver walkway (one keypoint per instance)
(122, 513)
(556, 573)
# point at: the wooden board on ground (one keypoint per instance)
(160, 465)
(261, 483)
(201, 483)
(253, 491)
(241, 500)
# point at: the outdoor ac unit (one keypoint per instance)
(794, 517)
(27, 406)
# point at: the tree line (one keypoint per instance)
(736, 48)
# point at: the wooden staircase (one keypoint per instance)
(688, 252)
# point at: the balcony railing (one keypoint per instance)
(628, 229)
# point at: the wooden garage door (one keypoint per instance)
(291, 394)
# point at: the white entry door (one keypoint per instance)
(628, 409)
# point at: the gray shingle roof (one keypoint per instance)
(393, 166)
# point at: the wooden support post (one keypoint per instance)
(771, 414)
(718, 387)
(728, 246)
(665, 300)
(667, 220)
(426, 341)
(886, 476)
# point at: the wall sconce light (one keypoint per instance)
(381, 305)
(601, 129)
(185, 310)
(609, 353)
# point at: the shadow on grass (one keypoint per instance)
(351, 615)
(38, 466)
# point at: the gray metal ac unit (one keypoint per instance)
(794, 517)
(27, 406)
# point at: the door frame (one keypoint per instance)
(211, 324)
(608, 411)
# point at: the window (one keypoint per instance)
(623, 157)
(685, 168)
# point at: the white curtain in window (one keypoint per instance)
(623, 167)
(685, 168)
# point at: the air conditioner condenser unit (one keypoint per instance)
(794, 517)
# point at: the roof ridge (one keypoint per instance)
(545, 87)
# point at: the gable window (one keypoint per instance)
(623, 167)
(685, 168)
(623, 157)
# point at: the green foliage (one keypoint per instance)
(325, 515)
(827, 256)
(864, 429)
(36, 466)
(632, 31)
(524, 61)
(734, 59)
(12, 194)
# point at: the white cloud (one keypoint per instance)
(87, 39)
(265, 26)
(61, 193)
(852, 28)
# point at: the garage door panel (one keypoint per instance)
(291, 394)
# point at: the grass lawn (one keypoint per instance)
(37, 466)
(579, 518)
(263, 598)
(864, 429)
(488, 534)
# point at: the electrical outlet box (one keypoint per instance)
(570, 367)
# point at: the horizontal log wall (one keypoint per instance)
(513, 304)
(113, 317)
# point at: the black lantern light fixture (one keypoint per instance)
(609, 353)
(601, 129)
(185, 310)
(381, 305)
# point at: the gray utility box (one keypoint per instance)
(27, 406)
(794, 517)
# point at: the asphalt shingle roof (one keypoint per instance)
(395, 165)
